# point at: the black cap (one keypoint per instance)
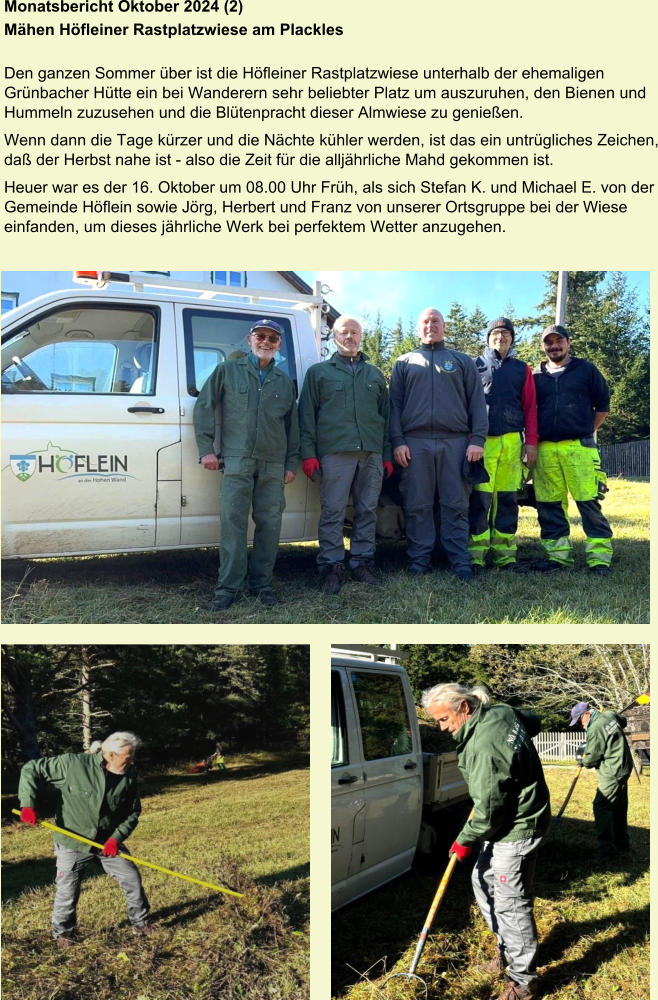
(474, 472)
(503, 322)
(267, 324)
(555, 328)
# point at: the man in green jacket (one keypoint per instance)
(511, 815)
(245, 420)
(97, 798)
(343, 416)
(607, 751)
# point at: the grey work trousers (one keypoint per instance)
(70, 869)
(359, 473)
(435, 471)
(503, 880)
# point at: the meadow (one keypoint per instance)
(245, 828)
(151, 588)
(593, 920)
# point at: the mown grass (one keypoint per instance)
(593, 922)
(245, 828)
(176, 587)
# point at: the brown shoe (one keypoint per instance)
(333, 579)
(147, 929)
(494, 967)
(364, 573)
(64, 941)
(514, 991)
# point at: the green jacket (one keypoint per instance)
(606, 748)
(344, 410)
(80, 782)
(504, 776)
(250, 419)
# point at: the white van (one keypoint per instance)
(382, 784)
(98, 388)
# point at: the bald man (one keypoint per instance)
(438, 420)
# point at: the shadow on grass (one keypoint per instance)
(285, 875)
(633, 929)
(372, 934)
(131, 589)
(19, 877)
(22, 876)
(375, 932)
(179, 914)
(159, 783)
(567, 859)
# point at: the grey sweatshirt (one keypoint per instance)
(436, 393)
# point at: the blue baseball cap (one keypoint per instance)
(268, 324)
(577, 711)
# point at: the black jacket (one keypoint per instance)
(566, 403)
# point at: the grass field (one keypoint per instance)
(593, 922)
(245, 828)
(174, 588)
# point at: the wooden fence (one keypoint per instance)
(629, 459)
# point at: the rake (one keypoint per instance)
(429, 920)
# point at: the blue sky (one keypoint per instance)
(404, 294)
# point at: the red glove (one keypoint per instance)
(461, 851)
(111, 847)
(310, 467)
(388, 469)
(29, 815)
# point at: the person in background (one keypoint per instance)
(607, 751)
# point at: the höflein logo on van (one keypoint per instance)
(67, 464)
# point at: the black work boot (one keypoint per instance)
(365, 573)
(333, 578)
(223, 600)
(268, 596)
(548, 566)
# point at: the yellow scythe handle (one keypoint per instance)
(136, 861)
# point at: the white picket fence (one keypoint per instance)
(558, 746)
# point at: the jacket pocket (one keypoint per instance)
(80, 793)
(277, 403)
(336, 394)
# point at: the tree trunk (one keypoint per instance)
(85, 695)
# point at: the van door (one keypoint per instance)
(386, 774)
(90, 422)
(212, 335)
(393, 769)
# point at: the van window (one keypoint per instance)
(213, 336)
(338, 728)
(382, 708)
(83, 349)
